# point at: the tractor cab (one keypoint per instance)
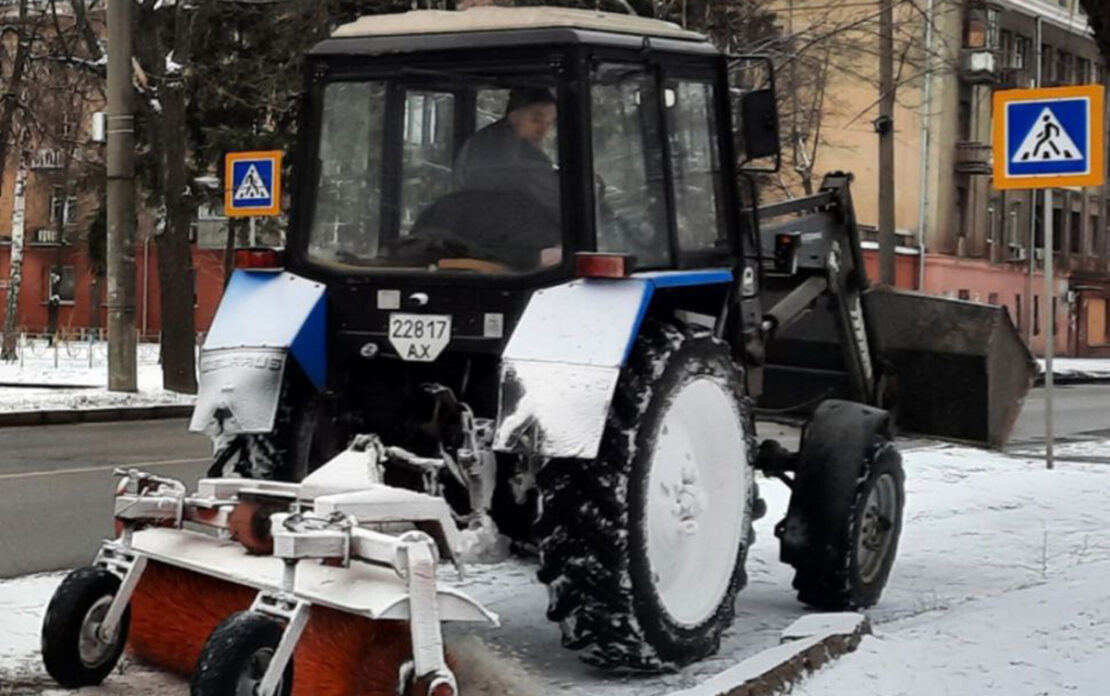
(499, 143)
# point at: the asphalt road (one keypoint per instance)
(56, 481)
(56, 484)
(1078, 410)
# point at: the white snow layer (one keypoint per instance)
(999, 588)
(85, 383)
(1091, 368)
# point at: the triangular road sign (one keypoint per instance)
(1047, 141)
(252, 187)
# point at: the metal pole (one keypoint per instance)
(885, 126)
(1050, 329)
(1030, 286)
(122, 375)
(926, 145)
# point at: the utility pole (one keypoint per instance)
(884, 126)
(122, 375)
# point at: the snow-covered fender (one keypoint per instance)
(561, 364)
(264, 318)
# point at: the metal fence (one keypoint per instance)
(84, 348)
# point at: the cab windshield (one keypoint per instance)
(439, 170)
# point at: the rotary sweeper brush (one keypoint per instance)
(323, 588)
(526, 250)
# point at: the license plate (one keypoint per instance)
(419, 337)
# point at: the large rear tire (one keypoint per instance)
(73, 650)
(643, 549)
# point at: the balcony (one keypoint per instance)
(48, 159)
(980, 66)
(46, 236)
(974, 158)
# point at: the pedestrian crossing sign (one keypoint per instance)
(253, 183)
(1049, 138)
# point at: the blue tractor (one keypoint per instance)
(526, 253)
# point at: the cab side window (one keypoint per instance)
(629, 200)
(695, 167)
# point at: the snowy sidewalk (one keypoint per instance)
(74, 376)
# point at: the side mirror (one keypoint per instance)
(751, 82)
(759, 124)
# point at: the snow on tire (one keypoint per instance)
(74, 650)
(643, 548)
(235, 657)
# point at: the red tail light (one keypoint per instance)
(257, 258)
(603, 265)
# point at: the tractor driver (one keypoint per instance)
(505, 157)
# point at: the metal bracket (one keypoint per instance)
(127, 564)
(417, 555)
(297, 618)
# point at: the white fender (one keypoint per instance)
(561, 364)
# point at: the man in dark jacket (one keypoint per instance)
(505, 156)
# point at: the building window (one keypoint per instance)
(60, 284)
(68, 214)
(964, 294)
(1047, 64)
(1036, 315)
(1100, 74)
(1057, 224)
(992, 298)
(1075, 232)
(1065, 63)
(1082, 71)
(1092, 236)
(982, 27)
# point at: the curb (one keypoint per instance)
(1070, 378)
(807, 645)
(94, 415)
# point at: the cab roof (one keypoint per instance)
(488, 27)
(507, 18)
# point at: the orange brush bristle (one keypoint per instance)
(173, 611)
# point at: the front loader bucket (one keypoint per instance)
(953, 369)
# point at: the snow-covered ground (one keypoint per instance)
(999, 588)
(64, 377)
(1078, 368)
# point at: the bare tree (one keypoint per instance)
(1098, 14)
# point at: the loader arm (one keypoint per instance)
(945, 368)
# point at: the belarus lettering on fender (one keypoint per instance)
(258, 362)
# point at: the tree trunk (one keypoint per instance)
(178, 314)
(15, 278)
(168, 138)
(13, 84)
(1098, 14)
(97, 298)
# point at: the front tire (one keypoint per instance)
(842, 528)
(73, 650)
(235, 657)
(643, 548)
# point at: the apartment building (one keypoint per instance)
(967, 240)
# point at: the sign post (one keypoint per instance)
(1045, 139)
